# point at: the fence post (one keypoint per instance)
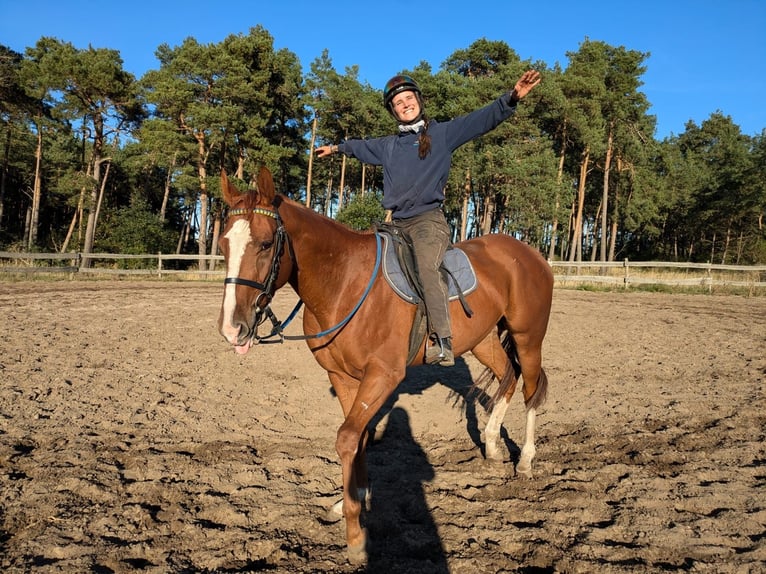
(159, 265)
(75, 266)
(626, 275)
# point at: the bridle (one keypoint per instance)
(280, 237)
(267, 288)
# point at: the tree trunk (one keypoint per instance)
(575, 253)
(555, 223)
(183, 238)
(615, 216)
(168, 180)
(726, 243)
(740, 246)
(605, 192)
(77, 216)
(90, 226)
(203, 200)
(214, 244)
(4, 172)
(102, 189)
(342, 179)
(570, 231)
(485, 226)
(342, 182)
(311, 161)
(595, 235)
(328, 199)
(464, 210)
(240, 173)
(612, 240)
(34, 221)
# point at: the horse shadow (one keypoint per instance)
(462, 393)
(402, 534)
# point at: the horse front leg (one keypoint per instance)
(351, 441)
(349, 445)
(528, 450)
(493, 429)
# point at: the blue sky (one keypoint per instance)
(706, 55)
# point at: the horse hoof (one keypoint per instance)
(525, 471)
(493, 454)
(334, 513)
(357, 554)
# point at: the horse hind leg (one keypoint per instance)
(518, 360)
(492, 354)
(534, 389)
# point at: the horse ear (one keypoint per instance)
(230, 192)
(265, 185)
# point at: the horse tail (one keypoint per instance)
(509, 379)
(541, 392)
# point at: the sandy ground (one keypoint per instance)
(132, 439)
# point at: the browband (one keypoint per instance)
(258, 210)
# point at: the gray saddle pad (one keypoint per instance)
(455, 260)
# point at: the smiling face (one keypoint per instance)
(406, 106)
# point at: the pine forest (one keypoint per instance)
(97, 160)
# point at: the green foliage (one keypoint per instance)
(362, 212)
(135, 229)
(153, 149)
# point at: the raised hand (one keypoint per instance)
(528, 80)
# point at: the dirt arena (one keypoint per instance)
(133, 439)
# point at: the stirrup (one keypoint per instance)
(440, 352)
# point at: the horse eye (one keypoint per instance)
(266, 245)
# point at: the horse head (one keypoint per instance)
(253, 244)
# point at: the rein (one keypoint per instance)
(267, 288)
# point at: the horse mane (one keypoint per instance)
(266, 196)
(316, 217)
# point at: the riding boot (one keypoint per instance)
(440, 352)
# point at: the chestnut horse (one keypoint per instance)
(364, 326)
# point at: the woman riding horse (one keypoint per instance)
(416, 165)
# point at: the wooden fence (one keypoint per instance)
(155, 265)
(618, 273)
(674, 274)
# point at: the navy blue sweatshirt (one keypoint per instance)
(411, 185)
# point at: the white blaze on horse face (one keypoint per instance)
(239, 237)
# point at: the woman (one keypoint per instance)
(416, 164)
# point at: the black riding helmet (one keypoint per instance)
(397, 84)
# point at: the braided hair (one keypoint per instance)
(424, 140)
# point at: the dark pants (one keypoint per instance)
(430, 235)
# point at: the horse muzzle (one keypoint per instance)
(239, 334)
